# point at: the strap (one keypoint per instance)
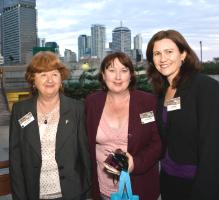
(128, 185)
(124, 182)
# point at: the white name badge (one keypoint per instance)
(174, 104)
(147, 117)
(26, 119)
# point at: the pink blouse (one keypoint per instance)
(109, 139)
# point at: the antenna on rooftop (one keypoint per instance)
(120, 23)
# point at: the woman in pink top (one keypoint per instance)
(121, 117)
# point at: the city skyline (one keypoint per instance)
(197, 20)
(18, 27)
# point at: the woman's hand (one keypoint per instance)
(130, 161)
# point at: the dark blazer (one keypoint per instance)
(143, 142)
(192, 133)
(72, 154)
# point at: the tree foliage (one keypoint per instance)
(210, 68)
(88, 83)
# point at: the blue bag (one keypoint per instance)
(125, 189)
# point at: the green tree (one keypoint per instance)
(210, 68)
(88, 83)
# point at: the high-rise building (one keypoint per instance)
(138, 41)
(98, 40)
(82, 43)
(41, 42)
(69, 56)
(54, 46)
(137, 55)
(88, 49)
(18, 29)
(84, 46)
(1, 10)
(121, 40)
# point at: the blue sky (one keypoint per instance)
(198, 20)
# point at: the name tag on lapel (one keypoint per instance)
(26, 119)
(174, 104)
(147, 117)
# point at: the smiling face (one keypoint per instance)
(167, 58)
(48, 83)
(117, 77)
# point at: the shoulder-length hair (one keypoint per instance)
(109, 60)
(45, 61)
(190, 64)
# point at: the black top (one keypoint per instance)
(192, 133)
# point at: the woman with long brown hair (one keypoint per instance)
(188, 114)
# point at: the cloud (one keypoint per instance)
(186, 2)
(93, 5)
(197, 20)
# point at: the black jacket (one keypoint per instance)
(192, 133)
(72, 156)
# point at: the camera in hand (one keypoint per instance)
(116, 162)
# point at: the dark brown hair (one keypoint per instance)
(191, 62)
(45, 61)
(125, 60)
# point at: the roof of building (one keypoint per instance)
(121, 28)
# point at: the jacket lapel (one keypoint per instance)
(64, 122)
(132, 119)
(32, 132)
(99, 106)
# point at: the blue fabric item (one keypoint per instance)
(125, 189)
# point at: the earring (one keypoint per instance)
(33, 89)
(182, 62)
(61, 87)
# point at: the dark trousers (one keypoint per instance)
(175, 188)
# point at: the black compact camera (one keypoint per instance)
(116, 162)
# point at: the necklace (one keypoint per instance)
(48, 118)
(45, 117)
